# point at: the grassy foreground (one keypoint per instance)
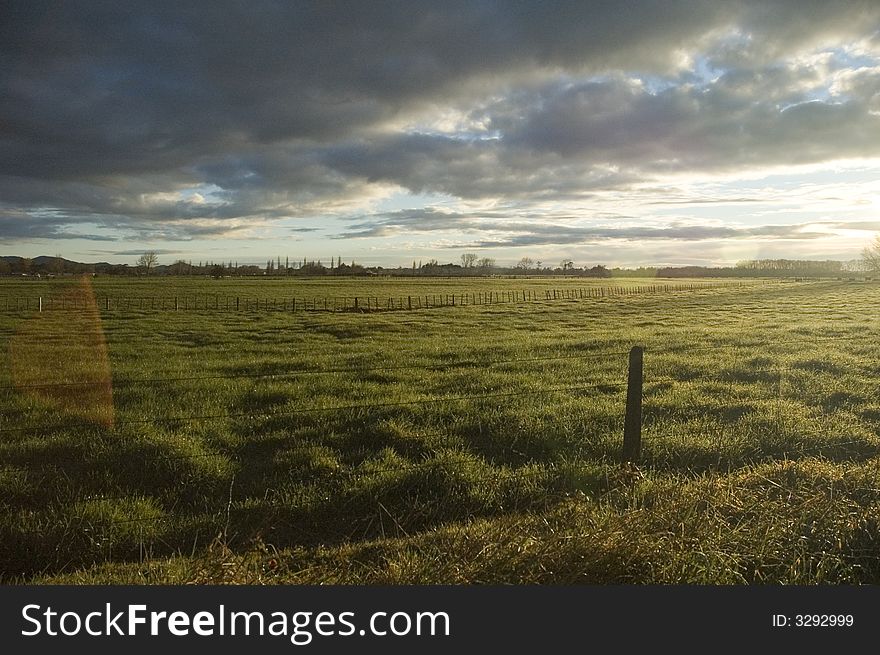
(474, 444)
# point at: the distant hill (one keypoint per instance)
(46, 265)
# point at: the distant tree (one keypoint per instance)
(566, 265)
(871, 256)
(525, 264)
(354, 269)
(785, 268)
(468, 260)
(147, 261)
(314, 268)
(486, 264)
(57, 265)
(216, 271)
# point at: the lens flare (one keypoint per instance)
(59, 357)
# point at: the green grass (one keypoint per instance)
(475, 444)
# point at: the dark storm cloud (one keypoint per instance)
(20, 226)
(123, 90)
(687, 128)
(279, 110)
(471, 168)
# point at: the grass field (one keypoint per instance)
(466, 444)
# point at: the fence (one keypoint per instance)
(367, 303)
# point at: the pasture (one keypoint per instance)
(474, 443)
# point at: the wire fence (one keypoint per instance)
(365, 303)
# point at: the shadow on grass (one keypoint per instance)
(820, 366)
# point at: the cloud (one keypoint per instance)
(865, 226)
(562, 230)
(733, 122)
(22, 227)
(175, 122)
(556, 235)
(158, 251)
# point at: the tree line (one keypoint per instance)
(469, 264)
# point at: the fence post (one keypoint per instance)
(176, 304)
(632, 425)
(40, 308)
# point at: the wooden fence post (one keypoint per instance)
(632, 425)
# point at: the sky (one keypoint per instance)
(646, 132)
